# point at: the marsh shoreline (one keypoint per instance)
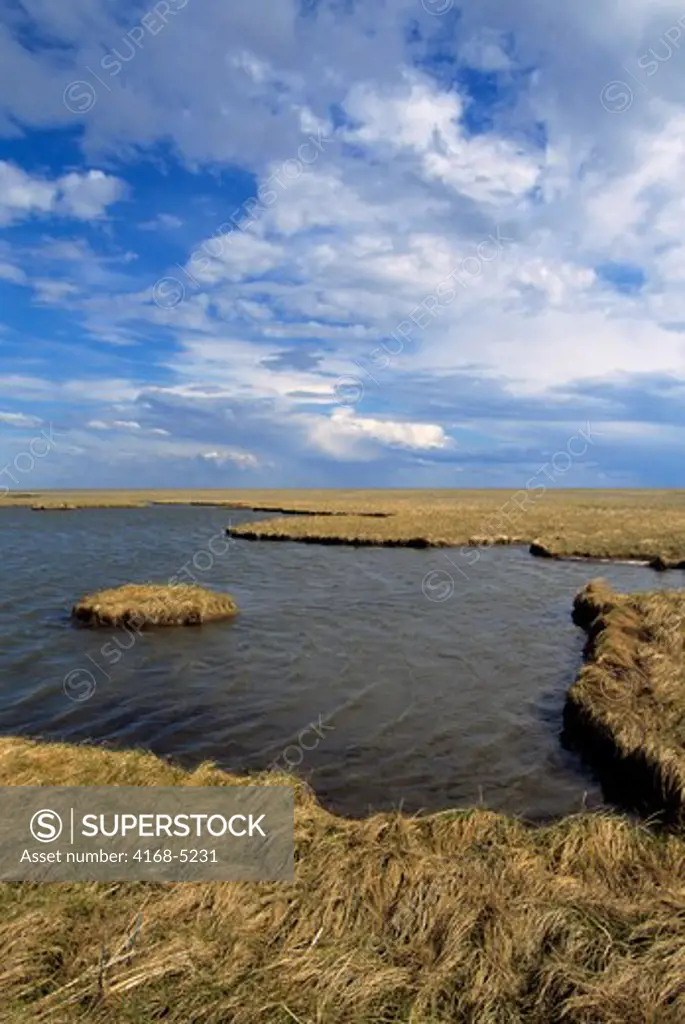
(464, 914)
(622, 526)
(625, 708)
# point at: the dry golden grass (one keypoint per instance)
(333, 501)
(419, 528)
(64, 507)
(627, 706)
(457, 917)
(646, 526)
(466, 916)
(151, 604)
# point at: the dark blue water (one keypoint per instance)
(338, 665)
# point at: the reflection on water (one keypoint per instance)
(338, 665)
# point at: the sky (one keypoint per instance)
(341, 243)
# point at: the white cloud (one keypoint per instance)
(243, 460)
(21, 195)
(15, 275)
(422, 119)
(130, 426)
(18, 419)
(83, 196)
(344, 434)
(486, 50)
(407, 190)
(232, 255)
(163, 221)
(53, 292)
(87, 196)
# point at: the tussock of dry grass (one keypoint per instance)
(462, 916)
(627, 707)
(154, 605)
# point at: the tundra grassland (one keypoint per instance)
(461, 916)
(633, 525)
(457, 916)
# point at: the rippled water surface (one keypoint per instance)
(338, 663)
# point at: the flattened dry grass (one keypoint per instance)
(643, 526)
(150, 604)
(457, 917)
(627, 706)
(655, 541)
(646, 526)
(420, 528)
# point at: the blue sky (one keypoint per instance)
(390, 243)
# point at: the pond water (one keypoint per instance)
(363, 669)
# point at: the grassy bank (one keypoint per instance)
(464, 916)
(626, 709)
(646, 526)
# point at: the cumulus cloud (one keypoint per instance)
(344, 434)
(82, 196)
(421, 119)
